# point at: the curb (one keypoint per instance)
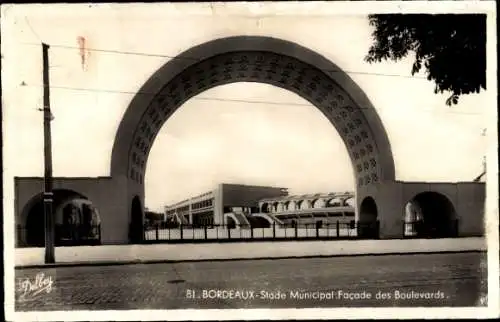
(166, 261)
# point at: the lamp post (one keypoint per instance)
(47, 193)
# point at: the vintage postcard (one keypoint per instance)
(250, 160)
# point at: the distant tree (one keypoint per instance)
(451, 47)
(153, 216)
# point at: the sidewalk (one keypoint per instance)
(125, 254)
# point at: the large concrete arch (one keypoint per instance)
(254, 59)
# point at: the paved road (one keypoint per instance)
(453, 279)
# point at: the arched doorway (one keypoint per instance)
(136, 223)
(430, 214)
(255, 59)
(265, 208)
(368, 219)
(368, 210)
(32, 234)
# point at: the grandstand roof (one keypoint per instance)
(346, 194)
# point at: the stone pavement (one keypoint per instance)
(248, 250)
(455, 279)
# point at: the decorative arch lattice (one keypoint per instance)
(365, 139)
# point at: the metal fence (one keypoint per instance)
(227, 233)
(65, 235)
(421, 229)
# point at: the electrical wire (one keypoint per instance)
(266, 102)
(207, 98)
(119, 52)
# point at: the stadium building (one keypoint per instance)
(313, 208)
(232, 201)
(232, 204)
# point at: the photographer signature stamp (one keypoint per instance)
(30, 288)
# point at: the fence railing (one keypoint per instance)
(422, 229)
(65, 235)
(235, 232)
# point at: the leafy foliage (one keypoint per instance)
(451, 48)
(153, 216)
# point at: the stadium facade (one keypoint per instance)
(250, 205)
(225, 201)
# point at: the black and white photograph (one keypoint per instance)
(256, 160)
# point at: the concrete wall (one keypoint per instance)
(468, 199)
(390, 208)
(388, 198)
(471, 208)
(113, 199)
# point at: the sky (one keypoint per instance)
(289, 144)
